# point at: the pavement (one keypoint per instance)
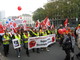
(55, 53)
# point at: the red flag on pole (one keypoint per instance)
(66, 22)
(46, 21)
(4, 27)
(52, 26)
(37, 23)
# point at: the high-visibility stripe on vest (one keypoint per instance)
(48, 31)
(6, 38)
(18, 37)
(34, 33)
(29, 35)
(25, 38)
(44, 34)
(41, 33)
(37, 34)
(25, 41)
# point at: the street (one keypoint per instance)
(55, 53)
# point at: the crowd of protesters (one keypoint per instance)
(67, 40)
(23, 36)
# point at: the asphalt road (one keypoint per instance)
(55, 53)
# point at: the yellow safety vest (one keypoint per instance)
(28, 35)
(44, 34)
(34, 33)
(48, 31)
(6, 38)
(41, 33)
(37, 34)
(25, 37)
(18, 37)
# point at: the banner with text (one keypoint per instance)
(41, 41)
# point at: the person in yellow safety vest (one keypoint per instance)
(17, 36)
(18, 50)
(41, 32)
(34, 34)
(25, 37)
(37, 35)
(45, 34)
(48, 31)
(6, 40)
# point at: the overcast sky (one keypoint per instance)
(28, 6)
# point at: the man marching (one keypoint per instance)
(25, 41)
(6, 40)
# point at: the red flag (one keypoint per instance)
(66, 22)
(52, 26)
(46, 22)
(1, 29)
(42, 24)
(14, 24)
(4, 27)
(37, 23)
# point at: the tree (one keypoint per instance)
(39, 14)
(60, 9)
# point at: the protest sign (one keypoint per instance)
(16, 43)
(41, 41)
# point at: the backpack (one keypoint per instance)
(67, 45)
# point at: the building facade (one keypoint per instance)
(2, 15)
(28, 18)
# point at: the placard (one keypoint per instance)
(16, 43)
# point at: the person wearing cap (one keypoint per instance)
(6, 40)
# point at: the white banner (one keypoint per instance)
(16, 43)
(41, 41)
